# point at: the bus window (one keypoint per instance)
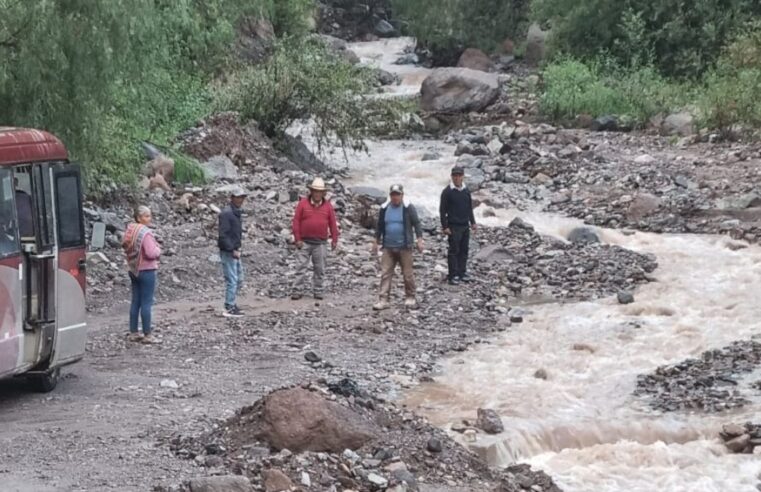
(8, 229)
(24, 205)
(69, 210)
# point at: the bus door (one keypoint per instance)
(40, 262)
(70, 311)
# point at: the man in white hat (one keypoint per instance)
(229, 242)
(313, 223)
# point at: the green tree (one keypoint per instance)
(682, 38)
(450, 26)
(302, 80)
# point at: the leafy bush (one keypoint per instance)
(450, 26)
(680, 38)
(730, 95)
(573, 87)
(301, 80)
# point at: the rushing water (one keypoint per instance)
(582, 425)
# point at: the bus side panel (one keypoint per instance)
(71, 338)
(11, 330)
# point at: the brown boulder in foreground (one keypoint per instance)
(299, 420)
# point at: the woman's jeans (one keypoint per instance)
(143, 287)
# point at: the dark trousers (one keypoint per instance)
(143, 287)
(458, 250)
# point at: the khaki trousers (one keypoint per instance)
(389, 260)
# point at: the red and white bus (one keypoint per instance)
(42, 258)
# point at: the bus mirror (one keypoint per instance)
(98, 239)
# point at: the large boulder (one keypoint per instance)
(458, 90)
(680, 124)
(299, 420)
(220, 167)
(229, 483)
(340, 48)
(475, 59)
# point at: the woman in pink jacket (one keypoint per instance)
(143, 253)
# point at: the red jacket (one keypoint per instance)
(310, 222)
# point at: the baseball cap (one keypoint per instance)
(396, 188)
(458, 170)
(238, 191)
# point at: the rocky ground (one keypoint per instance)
(710, 383)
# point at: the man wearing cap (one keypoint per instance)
(229, 242)
(457, 219)
(313, 223)
(396, 222)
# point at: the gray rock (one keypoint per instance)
(220, 167)
(606, 124)
(625, 297)
(458, 90)
(493, 253)
(312, 357)
(407, 59)
(377, 480)
(681, 124)
(113, 222)
(738, 444)
(583, 235)
(471, 149)
(431, 156)
(475, 59)
(643, 205)
(489, 422)
(748, 200)
(434, 445)
(374, 194)
(384, 28)
(227, 483)
(403, 475)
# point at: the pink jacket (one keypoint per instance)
(139, 235)
(150, 253)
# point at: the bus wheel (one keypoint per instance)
(47, 382)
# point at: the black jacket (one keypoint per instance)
(230, 229)
(456, 208)
(411, 222)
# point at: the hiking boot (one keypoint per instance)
(149, 340)
(454, 281)
(466, 278)
(381, 305)
(295, 296)
(233, 312)
(134, 337)
(410, 303)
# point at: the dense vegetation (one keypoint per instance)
(105, 75)
(447, 27)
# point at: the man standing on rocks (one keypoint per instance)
(457, 220)
(396, 222)
(229, 242)
(313, 222)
